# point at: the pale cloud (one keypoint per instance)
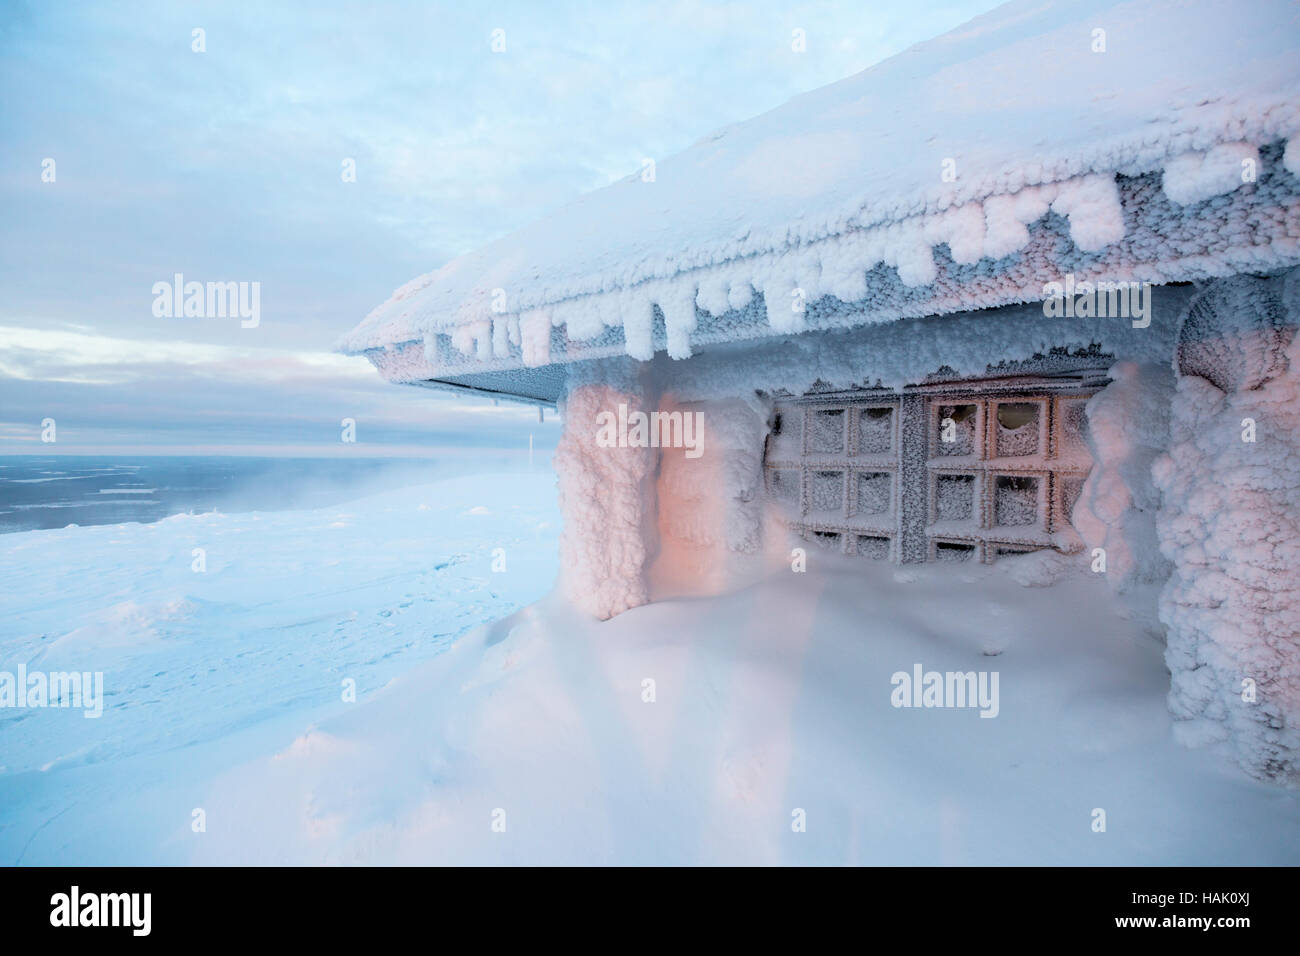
(226, 166)
(56, 355)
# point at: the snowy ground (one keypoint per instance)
(771, 700)
(204, 670)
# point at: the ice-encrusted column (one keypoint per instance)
(1229, 521)
(606, 495)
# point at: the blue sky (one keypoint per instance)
(226, 165)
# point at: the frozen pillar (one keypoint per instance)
(606, 495)
(912, 481)
(1229, 521)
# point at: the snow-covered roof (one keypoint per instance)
(920, 186)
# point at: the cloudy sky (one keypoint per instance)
(227, 164)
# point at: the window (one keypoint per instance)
(826, 493)
(956, 428)
(953, 551)
(954, 498)
(826, 436)
(875, 493)
(1018, 430)
(873, 547)
(942, 473)
(875, 430)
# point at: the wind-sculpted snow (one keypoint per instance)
(699, 732)
(200, 669)
(927, 184)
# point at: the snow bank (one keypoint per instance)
(923, 185)
(764, 702)
(1230, 523)
(758, 728)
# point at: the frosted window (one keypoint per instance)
(953, 552)
(961, 431)
(826, 433)
(955, 497)
(873, 493)
(877, 549)
(826, 492)
(875, 431)
(1017, 429)
(1016, 501)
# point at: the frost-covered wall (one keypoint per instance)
(897, 354)
(697, 518)
(1196, 483)
(711, 507)
(1230, 523)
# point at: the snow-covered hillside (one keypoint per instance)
(771, 700)
(206, 669)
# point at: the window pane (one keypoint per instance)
(826, 434)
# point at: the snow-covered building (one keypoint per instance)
(1031, 285)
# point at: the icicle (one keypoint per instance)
(740, 294)
(962, 228)
(638, 325)
(500, 337)
(785, 301)
(1195, 177)
(1291, 158)
(462, 339)
(535, 337)
(1092, 205)
(712, 295)
(677, 302)
(1004, 233)
(910, 253)
(430, 348)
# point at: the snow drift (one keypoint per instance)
(758, 728)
